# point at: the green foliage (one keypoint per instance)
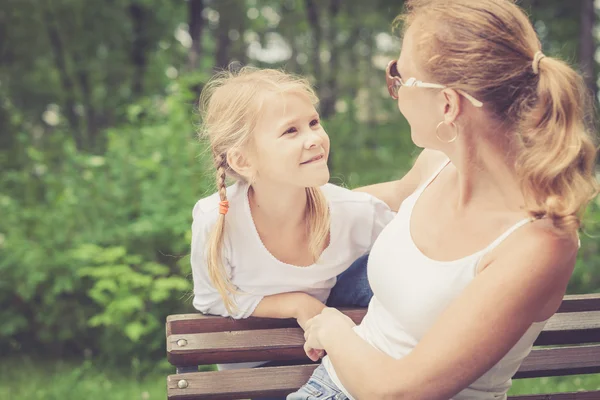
(128, 292)
(101, 242)
(586, 277)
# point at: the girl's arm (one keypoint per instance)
(476, 330)
(298, 305)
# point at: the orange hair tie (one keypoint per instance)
(223, 207)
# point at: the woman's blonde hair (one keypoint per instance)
(488, 48)
(230, 105)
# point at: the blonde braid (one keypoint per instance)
(214, 252)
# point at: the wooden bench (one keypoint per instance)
(573, 335)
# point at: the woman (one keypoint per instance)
(485, 241)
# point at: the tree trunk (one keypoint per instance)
(312, 11)
(223, 41)
(139, 47)
(587, 46)
(66, 81)
(196, 26)
(330, 93)
(287, 26)
(86, 92)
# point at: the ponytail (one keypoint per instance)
(557, 158)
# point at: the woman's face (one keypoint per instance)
(423, 108)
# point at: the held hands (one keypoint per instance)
(321, 328)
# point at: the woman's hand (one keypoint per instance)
(322, 327)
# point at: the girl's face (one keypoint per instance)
(290, 145)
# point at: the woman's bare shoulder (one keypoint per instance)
(541, 248)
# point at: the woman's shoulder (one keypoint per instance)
(542, 234)
(539, 248)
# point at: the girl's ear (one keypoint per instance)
(240, 163)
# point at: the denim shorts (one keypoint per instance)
(319, 386)
(352, 287)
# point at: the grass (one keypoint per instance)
(27, 379)
(555, 384)
(30, 379)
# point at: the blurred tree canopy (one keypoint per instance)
(100, 165)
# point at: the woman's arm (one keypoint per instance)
(393, 193)
(476, 330)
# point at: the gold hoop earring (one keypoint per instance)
(437, 135)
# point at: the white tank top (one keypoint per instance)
(411, 291)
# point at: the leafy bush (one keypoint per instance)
(101, 242)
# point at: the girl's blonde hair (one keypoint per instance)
(487, 49)
(230, 105)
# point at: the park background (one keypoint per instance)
(101, 165)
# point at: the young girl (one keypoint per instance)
(273, 243)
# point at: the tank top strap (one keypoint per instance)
(431, 178)
(506, 234)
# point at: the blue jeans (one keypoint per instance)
(352, 288)
(319, 387)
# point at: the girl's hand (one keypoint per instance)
(323, 327)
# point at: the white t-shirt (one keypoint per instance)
(356, 220)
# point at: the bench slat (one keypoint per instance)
(287, 343)
(580, 302)
(259, 382)
(560, 361)
(199, 323)
(181, 324)
(237, 346)
(222, 385)
(571, 328)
